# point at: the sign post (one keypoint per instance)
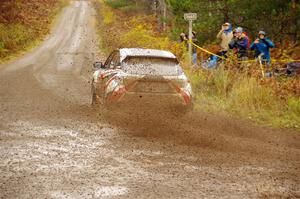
(190, 17)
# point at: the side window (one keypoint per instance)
(108, 61)
(115, 61)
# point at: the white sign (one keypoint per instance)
(190, 16)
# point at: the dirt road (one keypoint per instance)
(54, 145)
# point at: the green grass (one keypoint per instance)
(126, 6)
(15, 39)
(119, 4)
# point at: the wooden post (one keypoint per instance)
(190, 39)
(190, 17)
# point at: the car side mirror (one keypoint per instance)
(97, 65)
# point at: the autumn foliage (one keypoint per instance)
(22, 22)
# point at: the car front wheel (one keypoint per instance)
(95, 101)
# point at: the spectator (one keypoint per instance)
(239, 43)
(262, 46)
(194, 39)
(183, 37)
(225, 35)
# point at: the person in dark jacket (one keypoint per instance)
(262, 46)
(184, 38)
(240, 43)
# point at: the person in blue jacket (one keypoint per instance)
(262, 46)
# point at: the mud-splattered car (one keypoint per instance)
(133, 77)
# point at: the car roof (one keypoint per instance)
(141, 52)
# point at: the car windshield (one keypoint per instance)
(151, 66)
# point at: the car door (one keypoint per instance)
(99, 80)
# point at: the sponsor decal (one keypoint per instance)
(117, 94)
(185, 95)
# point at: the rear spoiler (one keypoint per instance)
(154, 57)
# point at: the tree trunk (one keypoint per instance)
(295, 21)
(164, 10)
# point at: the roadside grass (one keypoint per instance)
(18, 37)
(244, 95)
(126, 6)
(120, 4)
(239, 91)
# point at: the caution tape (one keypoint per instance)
(244, 61)
(208, 52)
(285, 60)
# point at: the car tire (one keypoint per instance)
(183, 111)
(95, 102)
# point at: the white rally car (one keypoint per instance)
(134, 77)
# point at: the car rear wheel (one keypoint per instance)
(183, 111)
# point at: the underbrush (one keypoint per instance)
(120, 4)
(118, 30)
(246, 95)
(129, 7)
(23, 25)
(13, 36)
(236, 90)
